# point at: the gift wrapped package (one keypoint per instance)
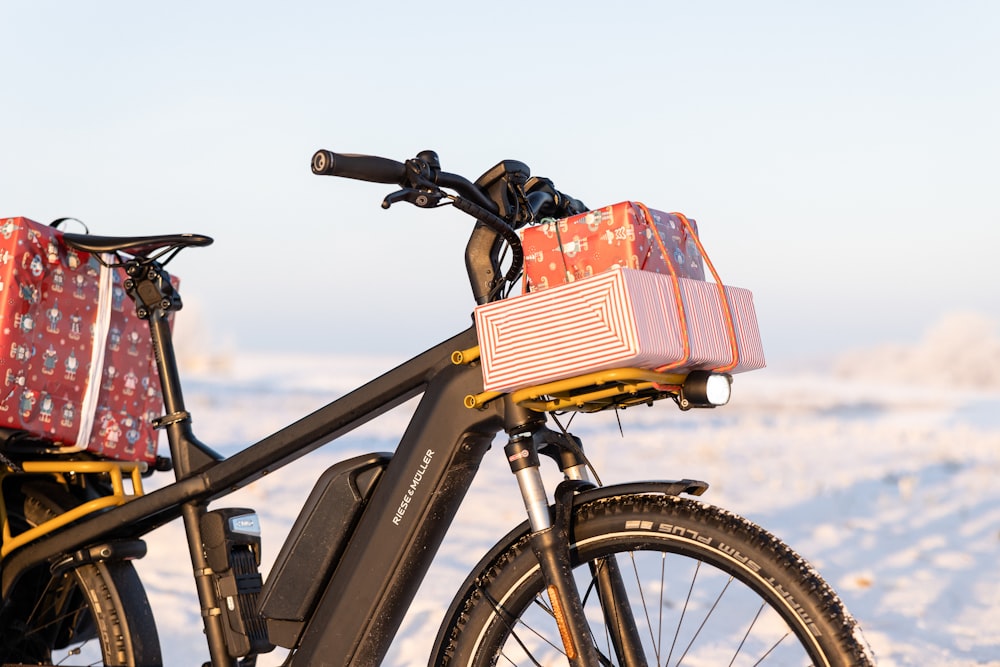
(619, 318)
(75, 360)
(626, 234)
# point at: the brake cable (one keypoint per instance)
(426, 180)
(500, 226)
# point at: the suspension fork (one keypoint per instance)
(550, 540)
(618, 615)
(567, 451)
(550, 543)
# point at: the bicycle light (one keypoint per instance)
(704, 389)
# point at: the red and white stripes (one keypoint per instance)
(623, 317)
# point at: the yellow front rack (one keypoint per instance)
(114, 469)
(614, 388)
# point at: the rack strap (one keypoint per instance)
(681, 315)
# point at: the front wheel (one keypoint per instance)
(682, 583)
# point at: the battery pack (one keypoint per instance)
(317, 539)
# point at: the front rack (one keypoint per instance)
(591, 392)
(602, 390)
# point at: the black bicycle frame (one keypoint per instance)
(403, 522)
(392, 547)
(378, 575)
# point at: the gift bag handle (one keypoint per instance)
(58, 222)
(681, 315)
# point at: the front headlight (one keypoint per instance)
(704, 389)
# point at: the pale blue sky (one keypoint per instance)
(840, 158)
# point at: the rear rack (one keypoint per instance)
(115, 471)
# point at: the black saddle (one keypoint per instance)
(138, 246)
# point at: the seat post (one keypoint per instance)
(166, 366)
(149, 286)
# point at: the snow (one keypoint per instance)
(882, 475)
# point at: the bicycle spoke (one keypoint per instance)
(524, 648)
(642, 598)
(56, 612)
(538, 602)
(680, 622)
(705, 620)
(502, 614)
(747, 634)
(614, 601)
(663, 589)
(53, 619)
(520, 627)
(770, 650)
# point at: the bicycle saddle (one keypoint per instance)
(139, 246)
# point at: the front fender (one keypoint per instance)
(691, 487)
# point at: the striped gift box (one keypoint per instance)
(623, 317)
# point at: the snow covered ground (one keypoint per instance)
(886, 480)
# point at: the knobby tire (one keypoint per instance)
(95, 613)
(701, 586)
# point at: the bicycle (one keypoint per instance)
(632, 574)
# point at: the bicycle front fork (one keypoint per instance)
(550, 541)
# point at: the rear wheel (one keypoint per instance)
(91, 614)
(689, 584)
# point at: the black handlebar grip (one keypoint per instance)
(359, 167)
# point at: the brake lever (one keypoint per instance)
(419, 198)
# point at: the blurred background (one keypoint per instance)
(841, 160)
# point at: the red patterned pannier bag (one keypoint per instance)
(76, 363)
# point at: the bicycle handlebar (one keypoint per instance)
(376, 169)
(359, 167)
(503, 199)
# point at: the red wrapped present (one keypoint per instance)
(75, 360)
(620, 318)
(626, 234)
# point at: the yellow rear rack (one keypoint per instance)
(115, 470)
